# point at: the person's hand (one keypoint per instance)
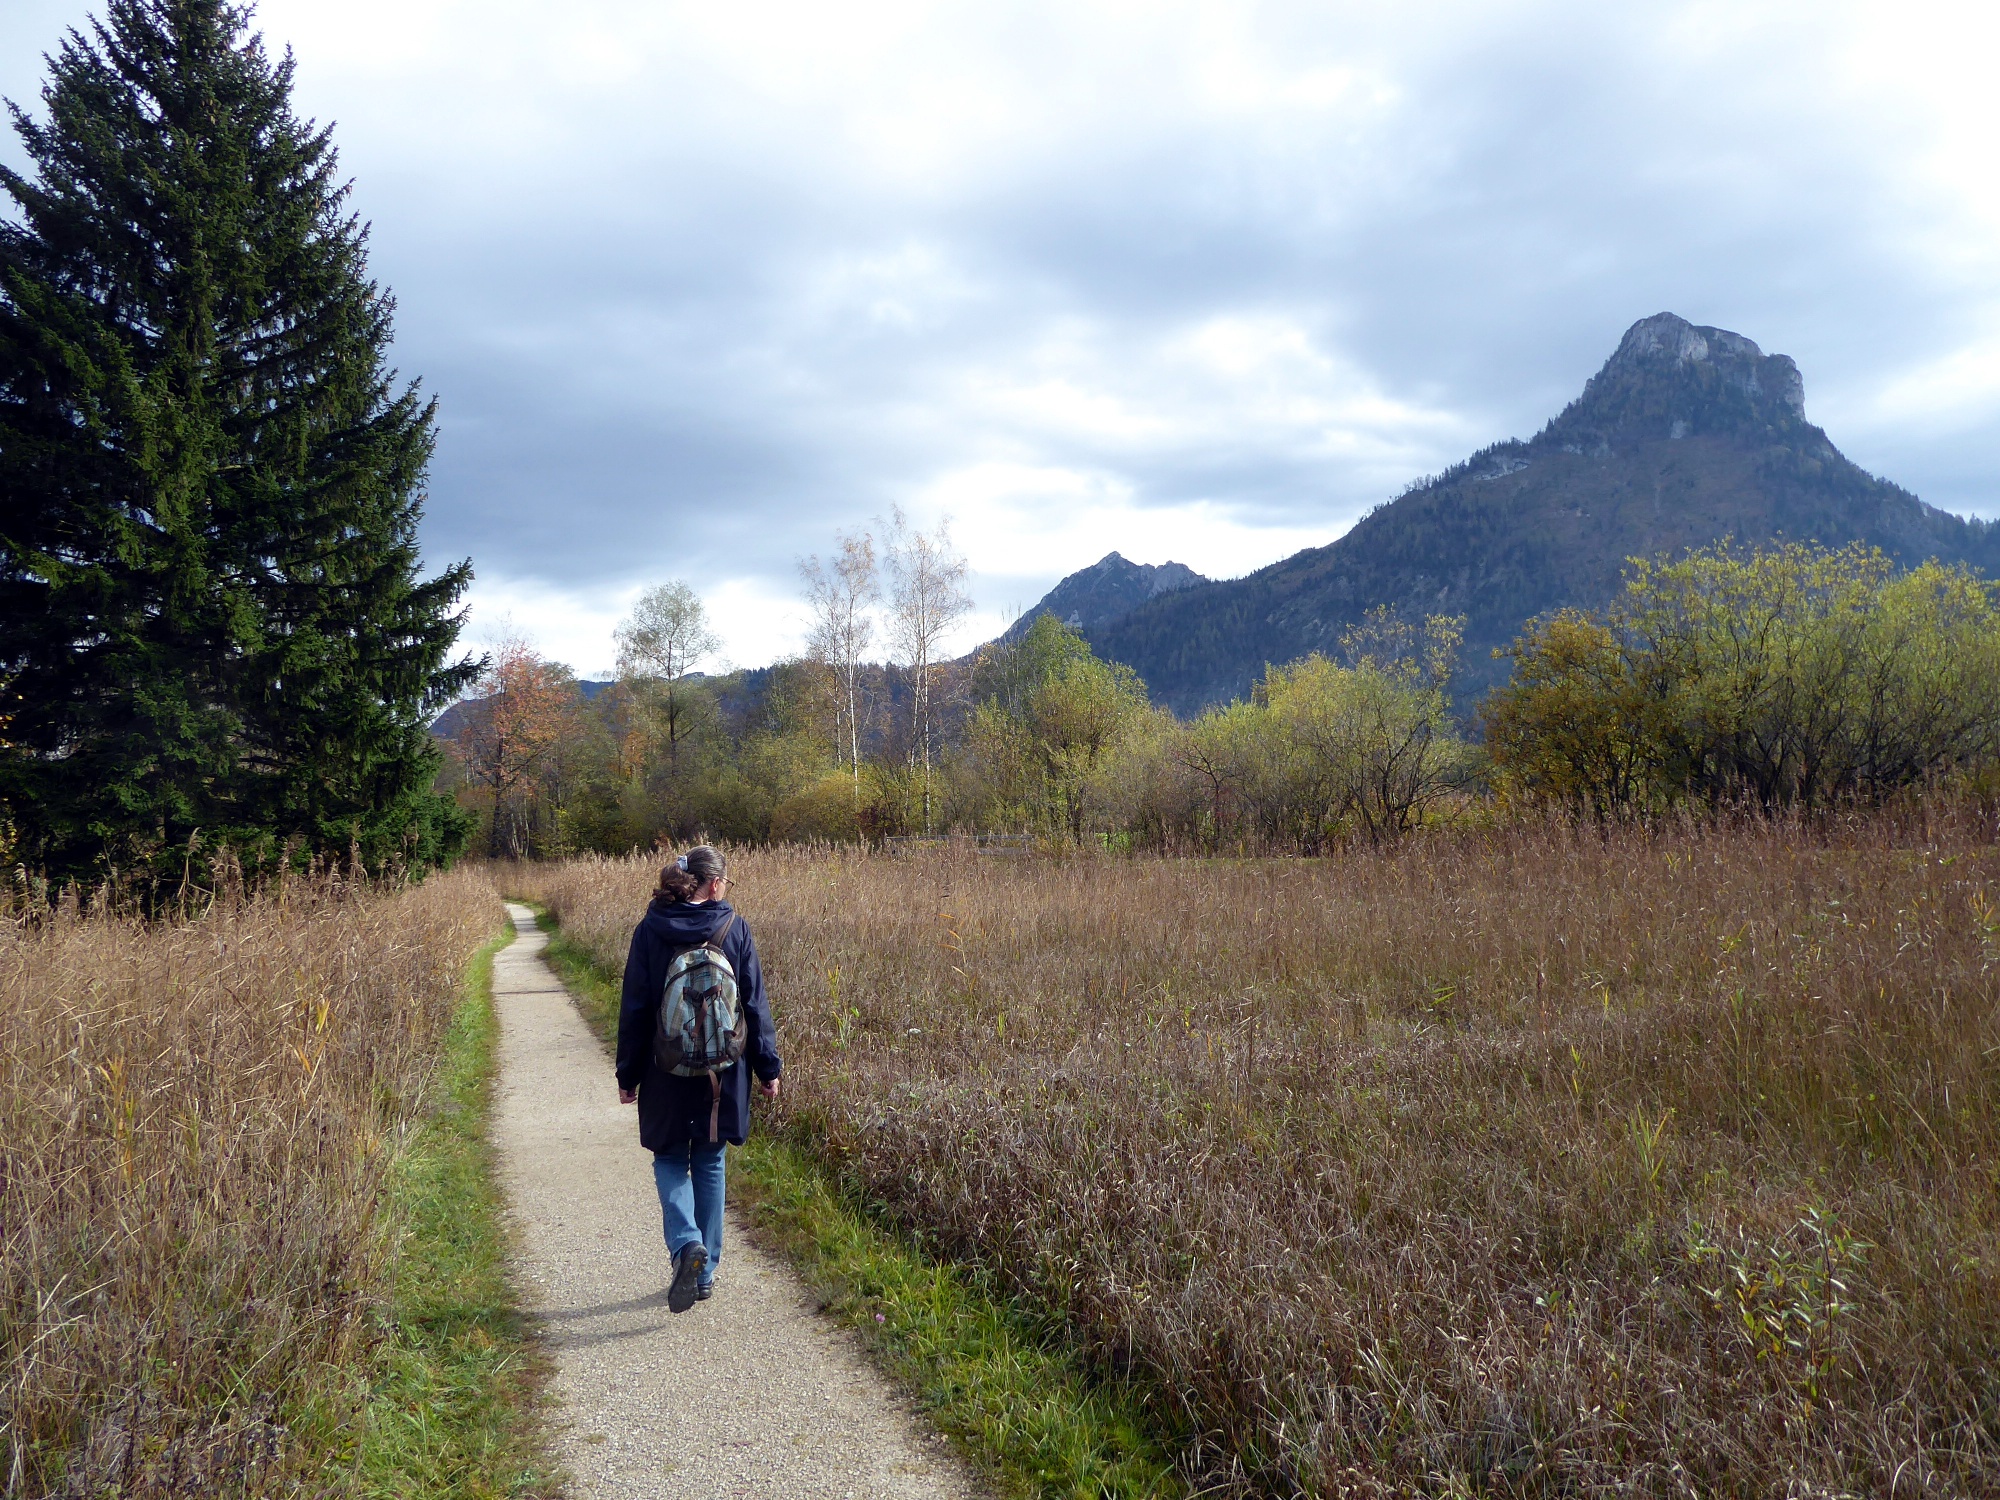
(769, 1090)
(628, 1096)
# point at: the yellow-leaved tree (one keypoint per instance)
(1795, 675)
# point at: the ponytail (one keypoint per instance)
(690, 872)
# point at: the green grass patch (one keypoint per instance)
(454, 1406)
(1015, 1401)
(993, 1379)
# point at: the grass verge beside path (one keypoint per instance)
(1015, 1403)
(454, 1403)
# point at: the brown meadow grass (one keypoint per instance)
(195, 1119)
(1540, 1161)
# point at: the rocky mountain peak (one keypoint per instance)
(1155, 578)
(1110, 587)
(1670, 378)
(1667, 339)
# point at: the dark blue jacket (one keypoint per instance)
(674, 1109)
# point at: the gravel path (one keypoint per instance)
(779, 1402)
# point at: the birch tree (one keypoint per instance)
(660, 643)
(927, 599)
(840, 593)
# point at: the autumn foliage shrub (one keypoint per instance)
(195, 1119)
(1795, 675)
(1548, 1160)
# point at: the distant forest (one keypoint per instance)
(1793, 676)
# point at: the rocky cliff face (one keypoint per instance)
(1104, 591)
(1686, 436)
(1671, 379)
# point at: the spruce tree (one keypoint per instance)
(216, 629)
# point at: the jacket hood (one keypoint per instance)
(683, 925)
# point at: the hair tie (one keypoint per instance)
(681, 863)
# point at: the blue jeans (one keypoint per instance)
(689, 1177)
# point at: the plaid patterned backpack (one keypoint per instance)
(701, 1028)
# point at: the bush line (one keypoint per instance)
(993, 1378)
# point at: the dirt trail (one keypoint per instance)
(750, 1393)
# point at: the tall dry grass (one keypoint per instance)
(194, 1122)
(1541, 1162)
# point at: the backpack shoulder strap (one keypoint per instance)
(715, 940)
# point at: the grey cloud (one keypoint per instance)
(638, 357)
(1521, 207)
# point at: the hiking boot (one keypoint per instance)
(688, 1266)
(703, 1292)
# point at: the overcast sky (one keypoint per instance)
(698, 286)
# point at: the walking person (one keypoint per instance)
(691, 1079)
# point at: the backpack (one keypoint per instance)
(701, 1029)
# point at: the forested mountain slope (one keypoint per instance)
(1687, 435)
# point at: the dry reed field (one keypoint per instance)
(195, 1119)
(1546, 1161)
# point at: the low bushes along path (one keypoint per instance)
(749, 1393)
